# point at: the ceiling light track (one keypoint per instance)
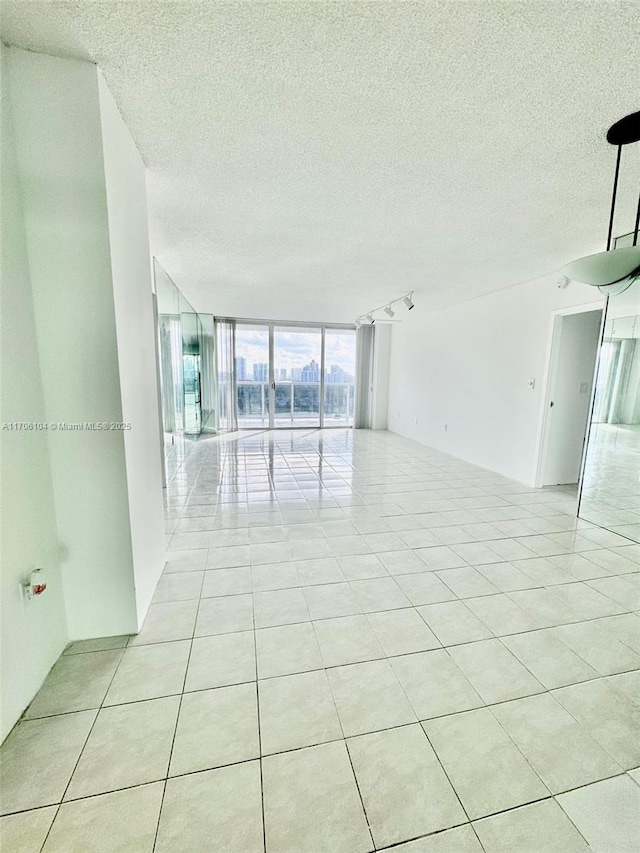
(369, 318)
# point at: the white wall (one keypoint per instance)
(467, 367)
(79, 347)
(58, 132)
(33, 633)
(135, 333)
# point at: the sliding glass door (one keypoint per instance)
(297, 360)
(253, 375)
(339, 370)
(286, 375)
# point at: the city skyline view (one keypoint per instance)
(294, 354)
(308, 373)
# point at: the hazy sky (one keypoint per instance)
(295, 348)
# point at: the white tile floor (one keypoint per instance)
(357, 644)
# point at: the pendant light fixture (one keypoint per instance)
(614, 270)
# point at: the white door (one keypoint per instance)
(576, 338)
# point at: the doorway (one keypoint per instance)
(574, 350)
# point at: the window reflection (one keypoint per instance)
(610, 494)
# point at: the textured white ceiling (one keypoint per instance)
(313, 160)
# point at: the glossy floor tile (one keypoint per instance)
(404, 789)
(25, 832)
(357, 644)
(214, 810)
(607, 814)
(216, 727)
(38, 759)
(128, 745)
(76, 683)
(530, 829)
(311, 802)
(287, 649)
(558, 748)
(122, 820)
(485, 766)
(297, 711)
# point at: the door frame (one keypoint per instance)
(550, 372)
(270, 326)
(272, 380)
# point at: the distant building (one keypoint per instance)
(241, 368)
(337, 374)
(311, 372)
(261, 372)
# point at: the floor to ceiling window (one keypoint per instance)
(339, 384)
(252, 375)
(288, 375)
(297, 375)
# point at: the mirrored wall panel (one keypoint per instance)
(187, 368)
(610, 495)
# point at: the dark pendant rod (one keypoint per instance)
(613, 198)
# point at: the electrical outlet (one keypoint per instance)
(446, 427)
(35, 583)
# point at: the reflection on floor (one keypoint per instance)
(357, 641)
(299, 421)
(611, 491)
(177, 447)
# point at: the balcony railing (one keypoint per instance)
(295, 403)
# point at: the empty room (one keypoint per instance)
(320, 434)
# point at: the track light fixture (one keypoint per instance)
(369, 318)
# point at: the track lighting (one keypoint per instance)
(388, 310)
